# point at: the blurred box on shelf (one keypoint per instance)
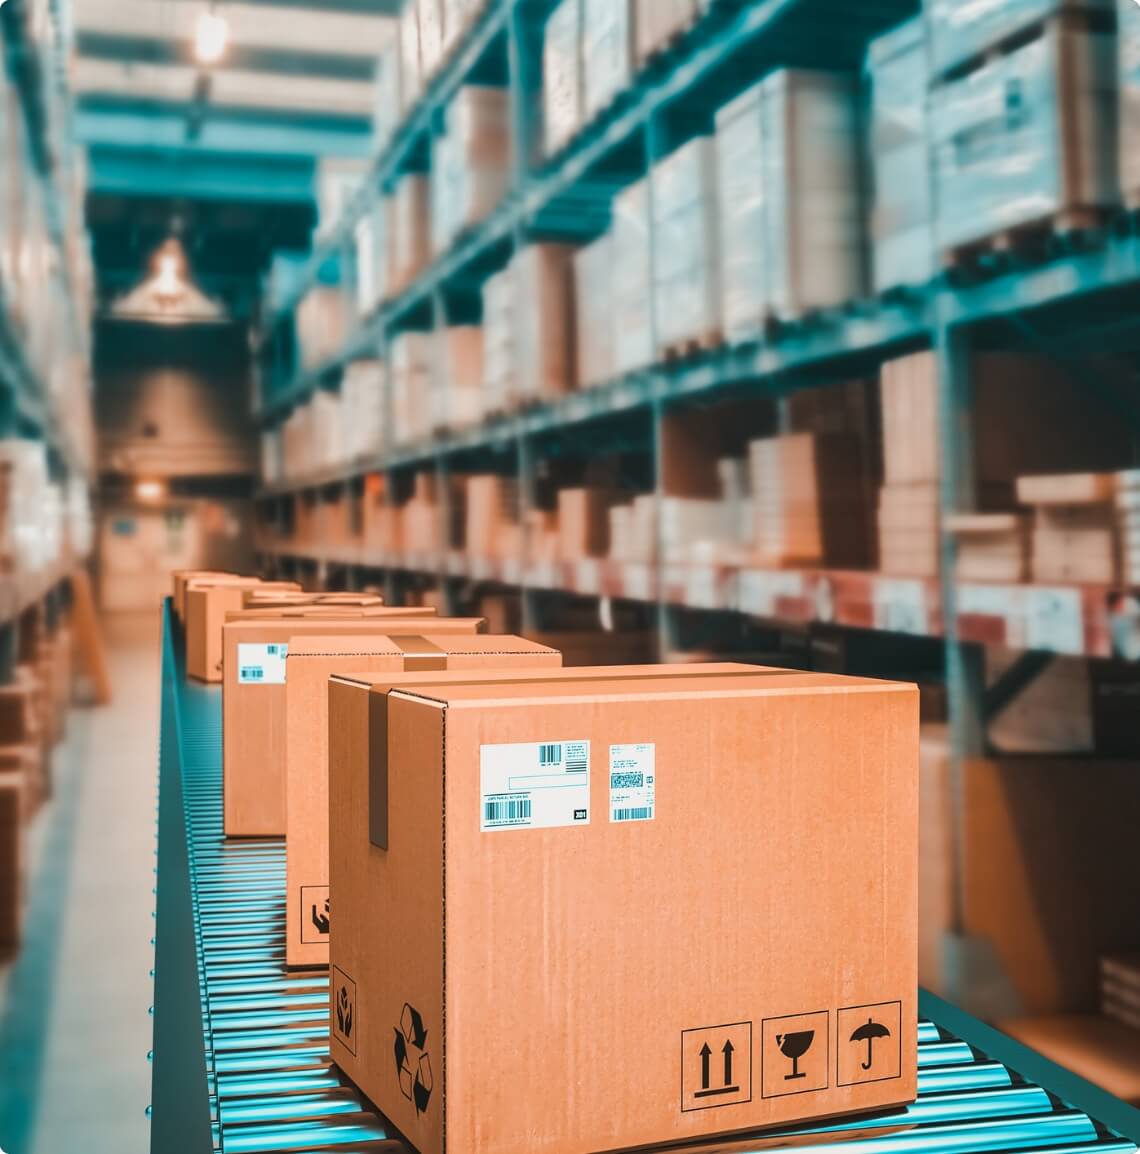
(608, 53)
(387, 109)
(960, 33)
(409, 231)
(254, 702)
(790, 204)
(902, 240)
(499, 343)
(633, 338)
(362, 405)
(1028, 139)
(322, 324)
(583, 522)
(339, 180)
(431, 36)
(837, 955)
(492, 508)
(311, 662)
(413, 381)
(992, 547)
(544, 329)
(371, 251)
(411, 64)
(562, 79)
(660, 22)
(686, 264)
(459, 397)
(808, 500)
(470, 162)
(594, 317)
(420, 522)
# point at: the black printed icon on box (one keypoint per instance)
(315, 915)
(413, 1063)
(869, 1044)
(342, 990)
(716, 1066)
(794, 1054)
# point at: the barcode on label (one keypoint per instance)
(627, 780)
(506, 810)
(252, 673)
(272, 650)
(550, 753)
(633, 813)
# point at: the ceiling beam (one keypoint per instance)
(132, 49)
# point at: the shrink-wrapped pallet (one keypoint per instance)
(411, 64)
(608, 53)
(544, 327)
(1029, 138)
(409, 231)
(633, 338)
(499, 343)
(431, 36)
(562, 75)
(593, 293)
(411, 368)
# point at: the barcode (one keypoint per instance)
(627, 780)
(633, 813)
(550, 754)
(505, 810)
(252, 673)
(271, 650)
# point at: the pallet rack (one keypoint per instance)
(241, 1058)
(1083, 295)
(35, 63)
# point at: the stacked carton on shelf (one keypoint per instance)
(901, 215)
(409, 231)
(411, 62)
(686, 264)
(659, 22)
(411, 356)
(1075, 535)
(633, 337)
(362, 405)
(790, 204)
(1053, 163)
(608, 53)
(992, 547)
(594, 318)
(492, 517)
(431, 36)
(909, 504)
(544, 327)
(457, 18)
(459, 395)
(562, 66)
(499, 343)
(419, 530)
(1128, 506)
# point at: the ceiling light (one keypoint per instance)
(211, 37)
(150, 491)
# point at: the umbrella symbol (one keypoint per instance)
(868, 1034)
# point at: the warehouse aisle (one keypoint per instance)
(74, 1023)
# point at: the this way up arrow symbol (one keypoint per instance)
(728, 1048)
(706, 1053)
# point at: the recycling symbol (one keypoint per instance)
(413, 1064)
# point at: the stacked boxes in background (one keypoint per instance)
(608, 53)
(902, 210)
(492, 517)
(790, 200)
(544, 328)
(593, 311)
(457, 18)
(992, 547)
(362, 405)
(411, 64)
(431, 36)
(633, 335)
(562, 67)
(1075, 535)
(387, 105)
(459, 392)
(419, 518)
(660, 22)
(1128, 34)
(322, 324)
(409, 231)
(412, 379)
(499, 343)
(1128, 506)
(686, 266)
(1028, 137)
(910, 541)
(372, 257)
(470, 162)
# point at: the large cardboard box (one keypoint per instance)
(207, 603)
(608, 883)
(310, 663)
(181, 578)
(254, 705)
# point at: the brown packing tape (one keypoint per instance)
(420, 655)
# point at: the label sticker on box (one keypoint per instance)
(632, 782)
(262, 664)
(534, 785)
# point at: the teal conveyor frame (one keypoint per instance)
(241, 1056)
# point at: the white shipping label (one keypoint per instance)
(262, 664)
(632, 782)
(534, 785)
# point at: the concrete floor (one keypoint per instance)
(75, 1027)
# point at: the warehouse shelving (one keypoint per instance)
(241, 1056)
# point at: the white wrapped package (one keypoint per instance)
(608, 53)
(562, 75)
(593, 291)
(1028, 136)
(633, 339)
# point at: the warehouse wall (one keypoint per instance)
(173, 402)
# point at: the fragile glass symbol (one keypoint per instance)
(873, 1029)
(706, 1072)
(795, 1046)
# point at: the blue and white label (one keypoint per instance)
(534, 785)
(262, 664)
(633, 784)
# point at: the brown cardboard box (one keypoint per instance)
(766, 911)
(207, 603)
(180, 578)
(12, 818)
(310, 663)
(584, 523)
(254, 705)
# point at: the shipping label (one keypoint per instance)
(534, 785)
(262, 664)
(632, 782)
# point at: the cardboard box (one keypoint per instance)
(586, 915)
(180, 578)
(207, 603)
(584, 523)
(310, 663)
(13, 815)
(254, 705)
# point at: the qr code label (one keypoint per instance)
(633, 782)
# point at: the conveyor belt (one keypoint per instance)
(273, 1087)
